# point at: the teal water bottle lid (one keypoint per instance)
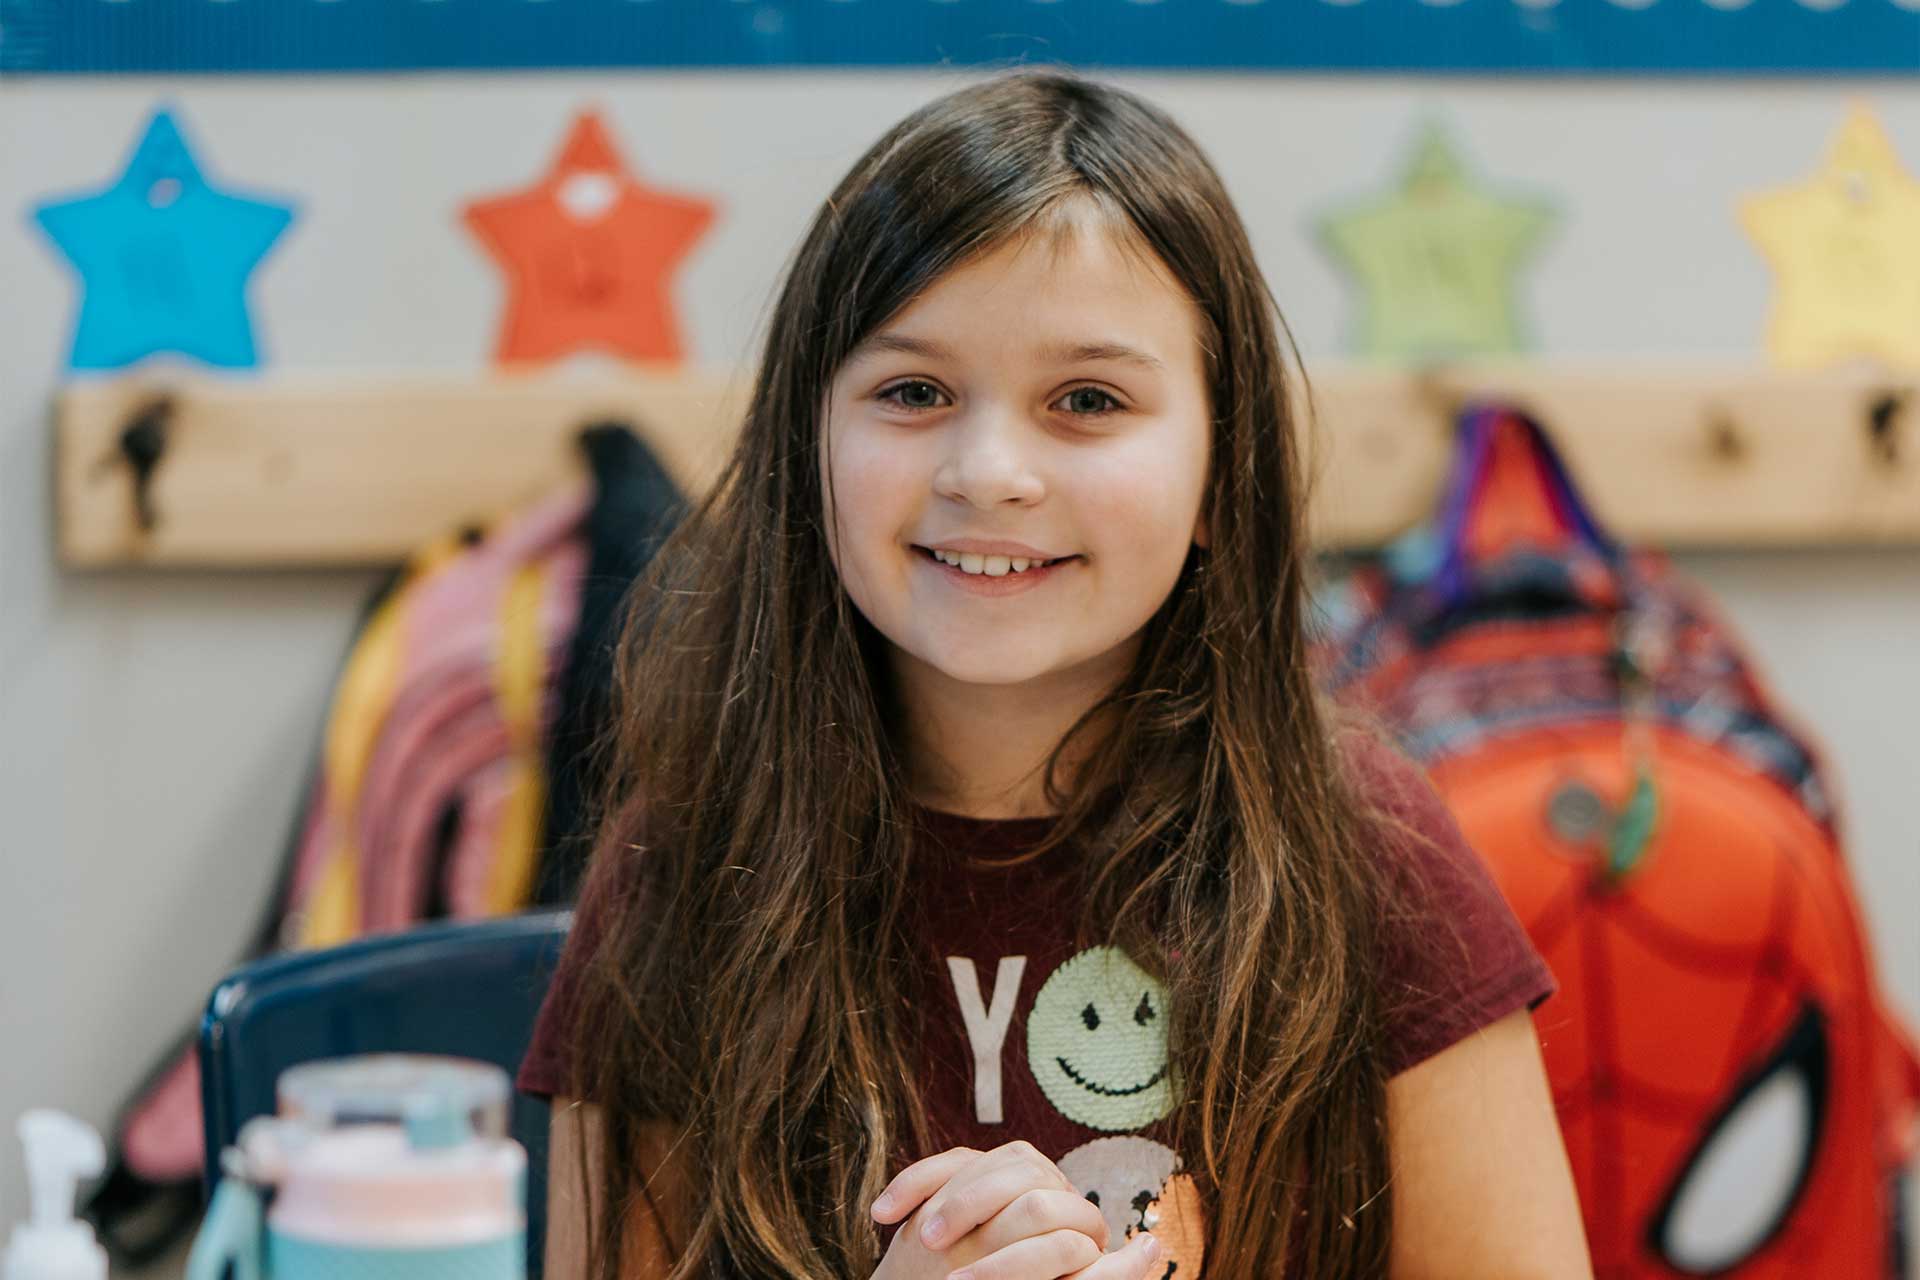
(438, 1101)
(436, 1123)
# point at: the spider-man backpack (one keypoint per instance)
(1735, 1097)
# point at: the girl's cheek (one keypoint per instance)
(877, 477)
(846, 465)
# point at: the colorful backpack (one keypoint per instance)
(475, 686)
(1735, 1097)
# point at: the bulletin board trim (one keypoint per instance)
(1548, 37)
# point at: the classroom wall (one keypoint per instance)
(156, 728)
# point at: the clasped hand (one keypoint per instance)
(1005, 1214)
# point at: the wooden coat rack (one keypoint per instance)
(284, 472)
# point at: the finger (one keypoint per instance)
(984, 1188)
(1058, 1253)
(917, 1181)
(1142, 1259)
(1038, 1211)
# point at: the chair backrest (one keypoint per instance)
(470, 989)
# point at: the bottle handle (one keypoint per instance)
(230, 1234)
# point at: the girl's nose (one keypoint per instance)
(988, 460)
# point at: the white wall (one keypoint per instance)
(155, 728)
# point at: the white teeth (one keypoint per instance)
(991, 566)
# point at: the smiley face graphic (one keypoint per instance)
(1097, 1042)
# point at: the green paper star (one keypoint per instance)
(1436, 260)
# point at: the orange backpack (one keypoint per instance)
(1735, 1097)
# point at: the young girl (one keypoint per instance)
(984, 891)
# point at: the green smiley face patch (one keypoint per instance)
(1097, 1042)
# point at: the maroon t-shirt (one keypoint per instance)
(1025, 1036)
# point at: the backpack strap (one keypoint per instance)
(1508, 489)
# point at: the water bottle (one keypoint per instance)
(380, 1167)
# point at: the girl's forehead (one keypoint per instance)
(1090, 236)
(1052, 295)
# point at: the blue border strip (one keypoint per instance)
(1567, 37)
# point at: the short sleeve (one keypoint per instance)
(547, 1068)
(1453, 957)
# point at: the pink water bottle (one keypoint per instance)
(385, 1167)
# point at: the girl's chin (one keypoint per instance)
(977, 667)
(973, 673)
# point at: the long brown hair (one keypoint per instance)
(753, 990)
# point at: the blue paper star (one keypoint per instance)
(163, 259)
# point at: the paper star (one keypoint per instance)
(1844, 246)
(163, 258)
(1436, 260)
(587, 252)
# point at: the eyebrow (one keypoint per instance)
(1061, 352)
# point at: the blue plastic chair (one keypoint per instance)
(471, 989)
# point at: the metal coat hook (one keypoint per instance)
(1723, 435)
(1883, 425)
(1435, 393)
(143, 443)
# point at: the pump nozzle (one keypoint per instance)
(55, 1245)
(60, 1151)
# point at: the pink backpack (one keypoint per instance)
(427, 803)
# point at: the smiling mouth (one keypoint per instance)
(1103, 1090)
(926, 553)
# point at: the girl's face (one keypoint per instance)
(1046, 399)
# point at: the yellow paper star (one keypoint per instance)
(1844, 246)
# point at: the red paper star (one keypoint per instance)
(588, 251)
